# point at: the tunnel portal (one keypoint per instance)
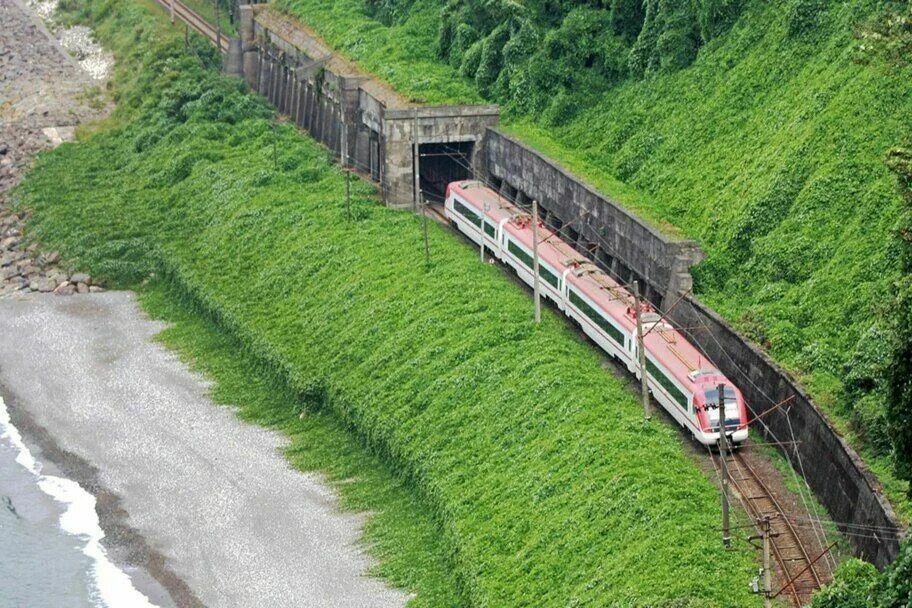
(442, 163)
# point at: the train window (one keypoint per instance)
(467, 213)
(712, 396)
(527, 260)
(667, 383)
(732, 413)
(596, 317)
(516, 250)
(490, 230)
(547, 275)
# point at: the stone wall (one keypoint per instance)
(627, 246)
(832, 469)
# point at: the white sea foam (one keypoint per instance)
(114, 588)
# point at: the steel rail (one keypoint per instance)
(785, 537)
(195, 21)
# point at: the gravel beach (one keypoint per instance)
(207, 503)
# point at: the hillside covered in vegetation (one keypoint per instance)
(540, 479)
(758, 128)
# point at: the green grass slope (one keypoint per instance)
(532, 461)
(768, 148)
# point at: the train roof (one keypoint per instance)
(666, 345)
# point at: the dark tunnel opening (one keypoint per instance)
(442, 163)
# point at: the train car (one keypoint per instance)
(683, 381)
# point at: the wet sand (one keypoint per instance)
(204, 503)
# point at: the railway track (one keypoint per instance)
(435, 212)
(799, 571)
(196, 22)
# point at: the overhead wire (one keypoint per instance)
(815, 523)
(801, 483)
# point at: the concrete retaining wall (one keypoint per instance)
(832, 469)
(624, 244)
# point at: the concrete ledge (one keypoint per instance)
(443, 111)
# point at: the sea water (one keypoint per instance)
(50, 538)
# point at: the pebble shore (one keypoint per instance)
(45, 92)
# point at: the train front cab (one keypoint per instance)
(706, 400)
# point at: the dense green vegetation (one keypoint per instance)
(758, 128)
(541, 481)
(404, 55)
(899, 372)
(859, 585)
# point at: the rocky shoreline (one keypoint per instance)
(44, 94)
(26, 269)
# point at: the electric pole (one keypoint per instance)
(424, 228)
(723, 452)
(644, 383)
(343, 158)
(417, 176)
(481, 227)
(275, 145)
(348, 206)
(536, 285)
(218, 27)
(767, 579)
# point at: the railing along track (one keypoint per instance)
(196, 22)
(801, 578)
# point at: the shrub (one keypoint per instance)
(852, 587)
(490, 60)
(562, 109)
(388, 11)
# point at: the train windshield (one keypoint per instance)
(732, 411)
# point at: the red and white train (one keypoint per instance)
(683, 381)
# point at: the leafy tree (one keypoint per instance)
(627, 18)
(643, 48)
(490, 61)
(894, 590)
(680, 38)
(669, 39)
(804, 16)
